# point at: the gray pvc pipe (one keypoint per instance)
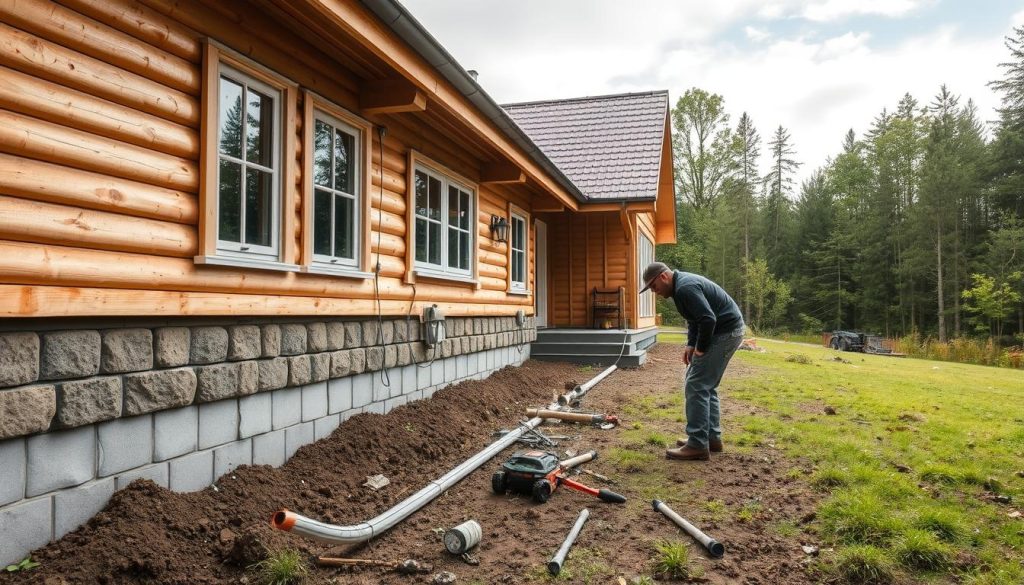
(715, 548)
(332, 533)
(578, 392)
(555, 564)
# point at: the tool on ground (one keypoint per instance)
(408, 566)
(574, 397)
(555, 564)
(593, 419)
(594, 474)
(539, 473)
(463, 537)
(715, 548)
(535, 438)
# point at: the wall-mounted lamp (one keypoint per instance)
(499, 229)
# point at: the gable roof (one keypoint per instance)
(609, 146)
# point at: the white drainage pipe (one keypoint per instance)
(334, 534)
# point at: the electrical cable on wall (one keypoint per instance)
(385, 379)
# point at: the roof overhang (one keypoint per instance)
(665, 205)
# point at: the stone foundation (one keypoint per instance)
(87, 411)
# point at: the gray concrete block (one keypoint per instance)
(450, 373)
(268, 449)
(362, 390)
(218, 423)
(158, 473)
(319, 367)
(12, 462)
(335, 336)
(380, 391)
(393, 403)
(404, 354)
(74, 507)
(229, 457)
(88, 401)
(248, 377)
(59, 460)
(339, 395)
(323, 427)
(175, 432)
(422, 375)
(461, 367)
(408, 379)
(254, 415)
(401, 334)
(19, 358)
(270, 336)
(191, 473)
(273, 373)
(437, 372)
(415, 395)
(316, 337)
(387, 331)
(314, 401)
(126, 350)
(358, 359)
(171, 346)
(69, 354)
(390, 356)
(26, 526)
(124, 444)
(209, 345)
(287, 408)
(349, 413)
(429, 391)
(293, 339)
(26, 410)
(158, 390)
(371, 332)
(244, 342)
(353, 334)
(298, 436)
(217, 382)
(375, 408)
(298, 370)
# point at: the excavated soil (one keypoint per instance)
(147, 534)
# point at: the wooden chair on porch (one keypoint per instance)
(607, 306)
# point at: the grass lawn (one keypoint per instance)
(922, 460)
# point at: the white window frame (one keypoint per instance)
(357, 198)
(519, 286)
(443, 270)
(644, 255)
(239, 249)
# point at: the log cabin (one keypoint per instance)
(228, 226)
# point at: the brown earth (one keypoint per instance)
(148, 534)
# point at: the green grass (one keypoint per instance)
(672, 560)
(281, 568)
(906, 463)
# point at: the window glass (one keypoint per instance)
(322, 222)
(259, 118)
(444, 213)
(229, 201)
(258, 202)
(322, 154)
(230, 113)
(336, 204)
(518, 245)
(645, 255)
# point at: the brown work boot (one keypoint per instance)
(686, 453)
(714, 445)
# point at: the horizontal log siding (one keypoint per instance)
(586, 251)
(99, 179)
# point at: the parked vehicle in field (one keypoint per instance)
(847, 341)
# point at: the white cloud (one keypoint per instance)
(1017, 19)
(830, 10)
(816, 87)
(756, 34)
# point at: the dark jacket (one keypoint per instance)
(707, 308)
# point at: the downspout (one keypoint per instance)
(334, 534)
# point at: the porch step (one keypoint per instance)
(594, 346)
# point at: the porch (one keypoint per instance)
(594, 346)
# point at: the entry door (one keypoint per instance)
(540, 296)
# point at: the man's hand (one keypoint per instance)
(688, 354)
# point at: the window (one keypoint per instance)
(336, 186)
(520, 236)
(645, 255)
(445, 225)
(248, 166)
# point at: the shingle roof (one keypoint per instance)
(609, 146)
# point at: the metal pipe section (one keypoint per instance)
(581, 458)
(715, 548)
(334, 534)
(577, 393)
(555, 564)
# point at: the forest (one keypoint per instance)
(914, 228)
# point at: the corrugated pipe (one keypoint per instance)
(334, 534)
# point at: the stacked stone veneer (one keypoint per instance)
(85, 412)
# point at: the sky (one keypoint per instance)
(816, 67)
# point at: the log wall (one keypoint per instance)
(100, 106)
(588, 250)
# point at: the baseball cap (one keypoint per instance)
(653, 270)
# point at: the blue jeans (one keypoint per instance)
(703, 416)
